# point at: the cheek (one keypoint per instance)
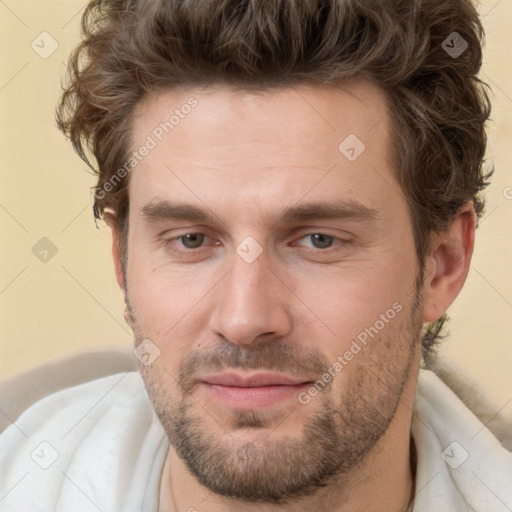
(350, 300)
(168, 304)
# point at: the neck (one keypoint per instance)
(383, 481)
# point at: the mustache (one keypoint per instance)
(267, 355)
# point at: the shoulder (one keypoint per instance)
(75, 439)
(458, 458)
(469, 393)
(67, 408)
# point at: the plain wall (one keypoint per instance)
(72, 302)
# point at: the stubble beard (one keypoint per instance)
(271, 468)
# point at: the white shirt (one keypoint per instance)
(100, 447)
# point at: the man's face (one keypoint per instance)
(252, 290)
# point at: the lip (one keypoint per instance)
(255, 391)
(254, 380)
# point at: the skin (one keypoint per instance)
(295, 308)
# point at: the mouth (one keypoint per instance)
(242, 391)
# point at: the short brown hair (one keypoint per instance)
(437, 104)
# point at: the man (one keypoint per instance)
(293, 190)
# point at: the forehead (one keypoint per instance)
(296, 114)
(276, 144)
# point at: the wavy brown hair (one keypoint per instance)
(437, 104)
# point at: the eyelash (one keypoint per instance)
(341, 241)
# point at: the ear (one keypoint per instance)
(116, 255)
(447, 266)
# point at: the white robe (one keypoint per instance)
(100, 447)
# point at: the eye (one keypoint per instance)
(323, 241)
(192, 240)
(320, 241)
(187, 242)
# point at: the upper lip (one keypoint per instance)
(252, 381)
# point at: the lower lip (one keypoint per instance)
(250, 398)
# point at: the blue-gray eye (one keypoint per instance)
(321, 241)
(195, 239)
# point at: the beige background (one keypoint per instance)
(72, 302)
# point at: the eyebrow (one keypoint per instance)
(162, 210)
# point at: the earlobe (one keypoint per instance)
(448, 265)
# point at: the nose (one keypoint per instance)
(251, 302)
